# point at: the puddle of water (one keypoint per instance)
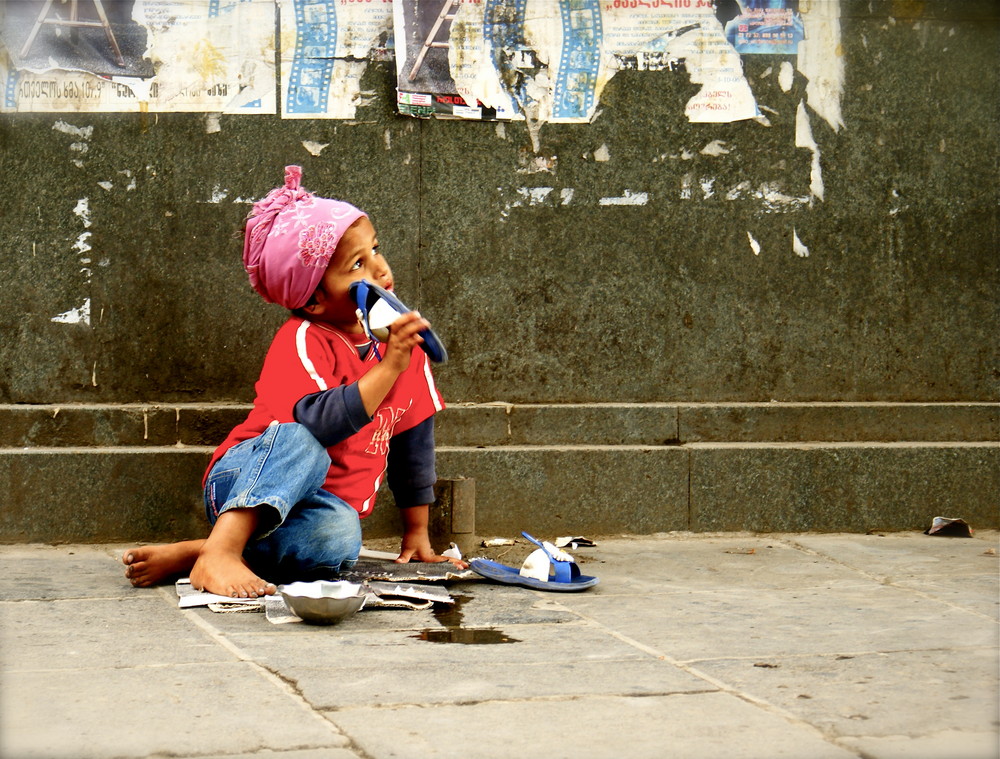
(450, 617)
(482, 635)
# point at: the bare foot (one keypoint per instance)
(226, 574)
(149, 565)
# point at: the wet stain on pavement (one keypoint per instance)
(474, 635)
(450, 617)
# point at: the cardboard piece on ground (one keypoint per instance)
(445, 571)
(190, 598)
(406, 590)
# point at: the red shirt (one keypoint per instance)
(306, 357)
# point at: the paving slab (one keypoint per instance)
(905, 554)
(395, 649)
(678, 563)
(696, 726)
(309, 753)
(178, 710)
(313, 753)
(705, 624)
(531, 639)
(46, 572)
(726, 644)
(961, 571)
(873, 694)
(946, 743)
(101, 633)
(476, 682)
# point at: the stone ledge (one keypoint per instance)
(154, 494)
(69, 425)
(842, 488)
(93, 495)
(847, 422)
(494, 424)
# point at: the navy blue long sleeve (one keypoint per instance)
(411, 465)
(332, 415)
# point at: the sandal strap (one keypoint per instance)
(561, 569)
(361, 290)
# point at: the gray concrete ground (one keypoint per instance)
(722, 645)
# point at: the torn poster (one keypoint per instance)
(139, 55)
(326, 46)
(766, 26)
(549, 60)
(427, 39)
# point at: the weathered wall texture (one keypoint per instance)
(717, 275)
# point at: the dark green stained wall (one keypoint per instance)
(897, 300)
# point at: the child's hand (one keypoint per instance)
(404, 334)
(418, 548)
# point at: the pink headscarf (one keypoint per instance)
(289, 239)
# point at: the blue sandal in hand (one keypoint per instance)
(378, 308)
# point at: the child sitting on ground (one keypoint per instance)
(334, 413)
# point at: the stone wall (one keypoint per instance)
(640, 260)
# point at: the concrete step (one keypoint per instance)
(89, 473)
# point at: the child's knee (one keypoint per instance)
(335, 549)
(298, 437)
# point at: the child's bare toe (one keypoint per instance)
(149, 565)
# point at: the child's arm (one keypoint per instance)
(411, 475)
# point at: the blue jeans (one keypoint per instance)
(304, 532)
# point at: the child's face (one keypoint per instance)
(357, 257)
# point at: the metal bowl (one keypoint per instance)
(323, 602)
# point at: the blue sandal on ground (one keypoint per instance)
(378, 308)
(547, 568)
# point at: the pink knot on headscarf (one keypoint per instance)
(290, 237)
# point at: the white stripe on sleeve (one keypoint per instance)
(430, 385)
(307, 364)
(367, 506)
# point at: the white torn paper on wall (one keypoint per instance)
(821, 60)
(798, 247)
(629, 198)
(172, 55)
(84, 133)
(715, 148)
(315, 148)
(82, 209)
(786, 75)
(79, 315)
(804, 139)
